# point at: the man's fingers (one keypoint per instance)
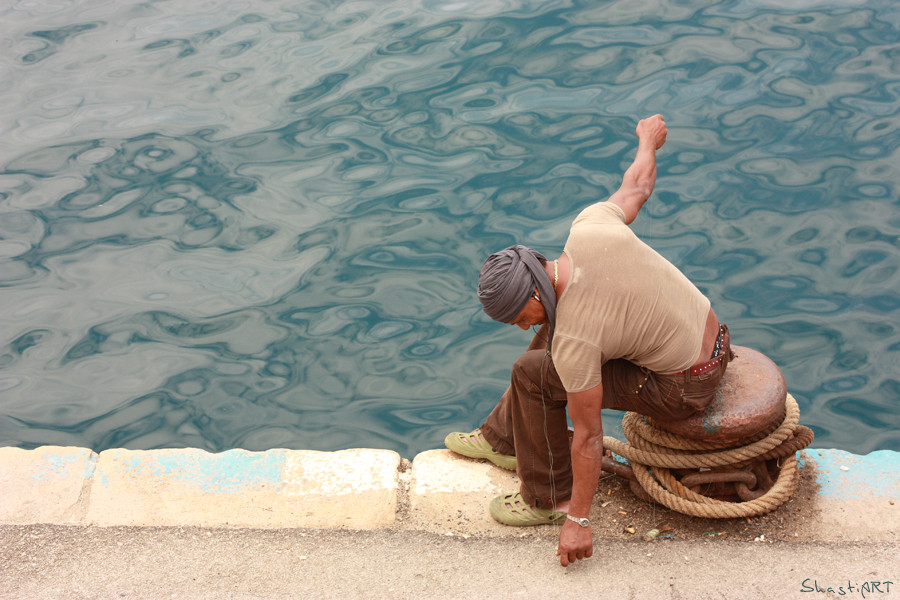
(570, 552)
(566, 559)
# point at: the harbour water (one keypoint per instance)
(246, 224)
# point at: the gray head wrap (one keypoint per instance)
(507, 281)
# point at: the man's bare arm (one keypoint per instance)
(640, 178)
(576, 542)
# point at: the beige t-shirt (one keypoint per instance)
(623, 300)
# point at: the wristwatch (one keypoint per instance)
(580, 520)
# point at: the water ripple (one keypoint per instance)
(260, 225)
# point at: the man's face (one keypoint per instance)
(532, 314)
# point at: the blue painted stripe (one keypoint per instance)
(841, 475)
(845, 476)
(233, 471)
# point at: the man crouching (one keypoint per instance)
(620, 328)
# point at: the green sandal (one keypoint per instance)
(511, 509)
(474, 445)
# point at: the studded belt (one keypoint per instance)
(701, 368)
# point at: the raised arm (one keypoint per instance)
(640, 178)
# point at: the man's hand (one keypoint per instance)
(575, 543)
(639, 179)
(652, 131)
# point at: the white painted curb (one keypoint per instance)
(858, 497)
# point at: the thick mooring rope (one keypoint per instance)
(652, 452)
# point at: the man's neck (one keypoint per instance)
(558, 271)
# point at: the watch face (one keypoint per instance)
(583, 521)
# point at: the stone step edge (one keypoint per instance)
(348, 489)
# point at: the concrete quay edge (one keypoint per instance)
(856, 498)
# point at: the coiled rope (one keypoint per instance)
(654, 453)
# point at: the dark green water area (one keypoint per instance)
(246, 224)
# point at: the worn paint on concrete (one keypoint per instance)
(339, 473)
(237, 488)
(443, 471)
(58, 464)
(858, 496)
(226, 473)
(845, 476)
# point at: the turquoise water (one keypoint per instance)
(259, 224)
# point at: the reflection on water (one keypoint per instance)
(260, 225)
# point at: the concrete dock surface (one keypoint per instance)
(369, 524)
(48, 562)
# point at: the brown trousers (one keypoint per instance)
(530, 419)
